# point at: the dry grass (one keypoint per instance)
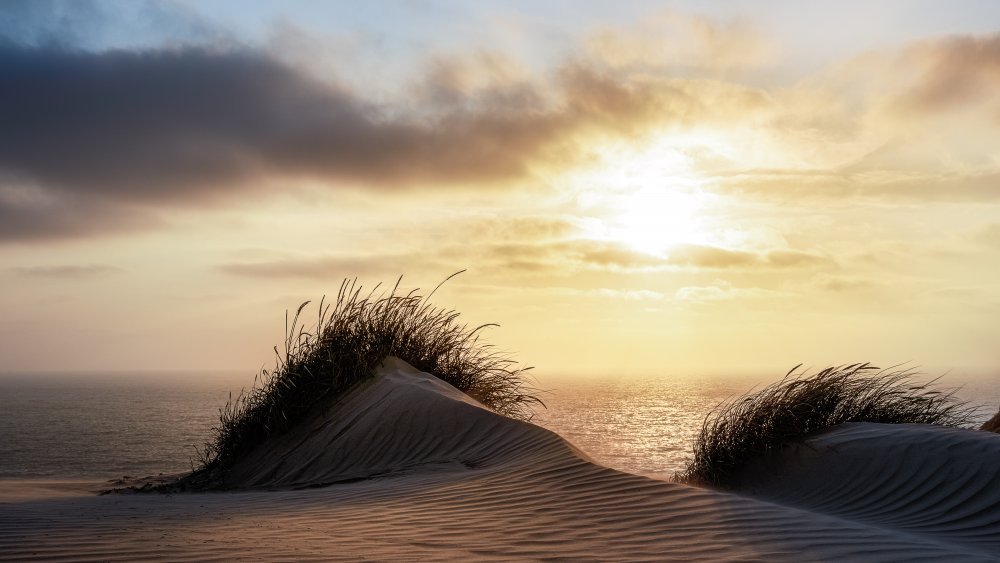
(351, 337)
(760, 423)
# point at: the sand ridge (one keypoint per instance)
(426, 474)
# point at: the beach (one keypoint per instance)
(409, 468)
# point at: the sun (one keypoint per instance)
(650, 200)
(653, 219)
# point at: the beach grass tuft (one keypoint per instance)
(800, 405)
(352, 335)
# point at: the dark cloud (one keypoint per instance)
(30, 214)
(200, 125)
(166, 125)
(67, 271)
(195, 126)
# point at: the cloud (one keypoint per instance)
(526, 228)
(634, 103)
(28, 213)
(331, 267)
(110, 140)
(710, 257)
(842, 284)
(481, 79)
(523, 257)
(567, 255)
(683, 42)
(914, 124)
(629, 294)
(67, 271)
(954, 71)
(612, 256)
(722, 291)
(203, 125)
(177, 125)
(861, 184)
(794, 259)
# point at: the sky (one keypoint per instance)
(633, 188)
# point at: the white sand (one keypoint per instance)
(424, 473)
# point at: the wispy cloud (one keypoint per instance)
(723, 291)
(710, 257)
(68, 271)
(559, 256)
(862, 185)
(682, 41)
(331, 267)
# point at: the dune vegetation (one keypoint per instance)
(760, 423)
(355, 332)
(351, 337)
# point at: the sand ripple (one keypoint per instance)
(424, 474)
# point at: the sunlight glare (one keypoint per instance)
(652, 219)
(649, 200)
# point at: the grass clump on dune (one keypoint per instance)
(757, 424)
(352, 335)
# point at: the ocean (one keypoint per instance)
(103, 427)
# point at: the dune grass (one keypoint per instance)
(352, 335)
(757, 424)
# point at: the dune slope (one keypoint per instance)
(421, 472)
(402, 421)
(919, 479)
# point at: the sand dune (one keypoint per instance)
(422, 472)
(400, 422)
(924, 480)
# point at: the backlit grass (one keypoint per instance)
(352, 335)
(798, 406)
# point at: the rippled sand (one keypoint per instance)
(420, 472)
